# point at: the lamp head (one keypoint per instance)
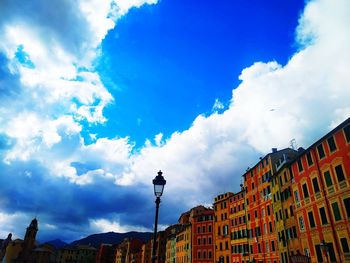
(159, 183)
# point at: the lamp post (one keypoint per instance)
(324, 248)
(158, 183)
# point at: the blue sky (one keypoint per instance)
(167, 63)
(93, 105)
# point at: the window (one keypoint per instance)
(296, 196)
(268, 210)
(300, 166)
(204, 254)
(339, 172)
(209, 240)
(294, 231)
(309, 159)
(198, 229)
(344, 245)
(336, 211)
(225, 229)
(305, 191)
(347, 133)
(263, 212)
(315, 184)
(311, 219)
(286, 212)
(331, 144)
(209, 228)
(347, 206)
(198, 241)
(285, 177)
(273, 245)
(301, 223)
(203, 229)
(291, 210)
(323, 216)
(267, 246)
(320, 151)
(328, 179)
(252, 186)
(270, 226)
(255, 214)
(199, 254)
(209, 254)
(259, 249)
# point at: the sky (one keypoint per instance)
(97, 96)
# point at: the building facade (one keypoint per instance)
(260, 214)
(222, 228)
(202, 221)
(239, 233)
(321, 193)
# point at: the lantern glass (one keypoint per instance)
(159, 183)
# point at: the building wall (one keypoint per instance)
(183, 245)
(322, 196)
(203, 236)
(147, 251)
(239, 238)
(284, 212)
(239, 233)
(260, 214)
(222, 228)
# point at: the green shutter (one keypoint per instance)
(336, 211)
(327, 177)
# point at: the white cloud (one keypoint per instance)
(9, 224)
(218, 105)
(104, 225)
(273, 104)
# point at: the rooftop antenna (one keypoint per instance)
(293, 144)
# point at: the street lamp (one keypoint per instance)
(158, 183)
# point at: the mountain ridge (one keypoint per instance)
(111, 238)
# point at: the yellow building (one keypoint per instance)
(283, 206)
(183, 244)
(221, 228)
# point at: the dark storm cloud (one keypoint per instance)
(55, 201)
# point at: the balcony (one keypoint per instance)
(343, 184)
(330, 189)
(318, 195)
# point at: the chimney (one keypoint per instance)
(274, 150)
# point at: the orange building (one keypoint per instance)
(239, 233)
(222, 228)
(321, 194)
(260, 214)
